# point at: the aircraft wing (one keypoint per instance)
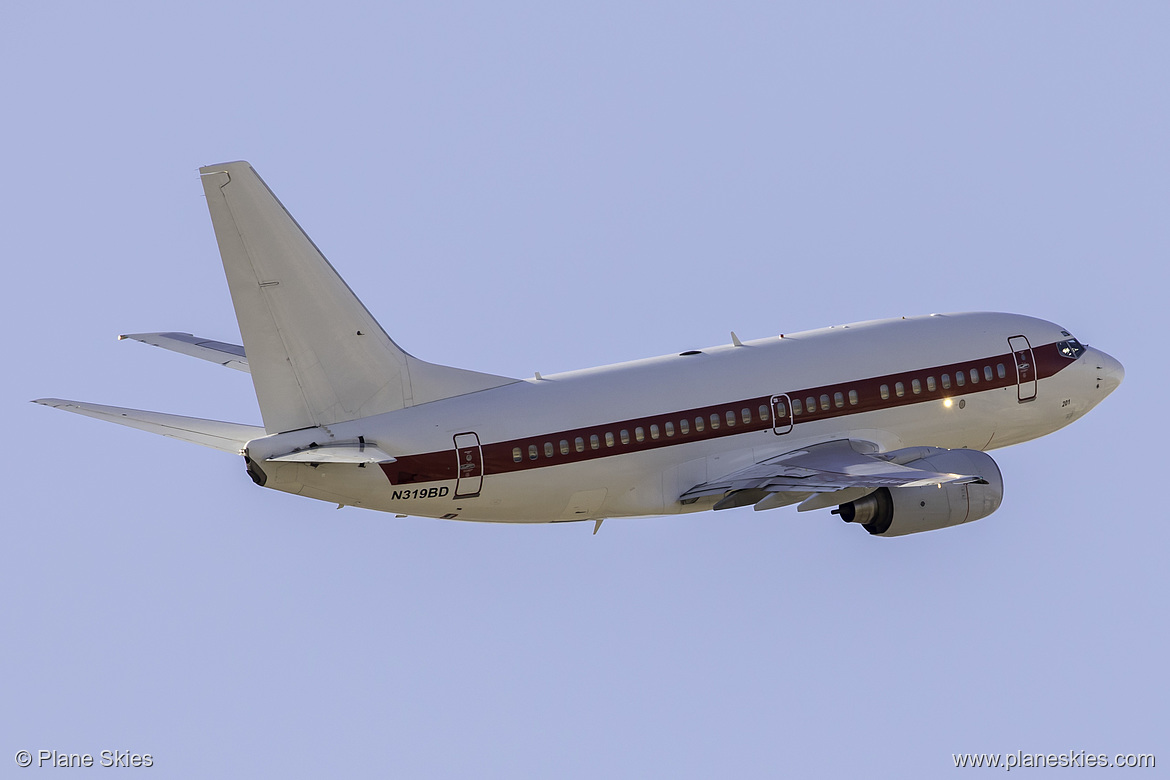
(230, 355)
(848, 469)
(229, 437)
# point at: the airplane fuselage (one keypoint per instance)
(629, 439)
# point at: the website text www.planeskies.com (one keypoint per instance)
(1071, 758)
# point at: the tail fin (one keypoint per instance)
(316, 355)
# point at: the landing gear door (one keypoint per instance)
(1025, 367)
(781, 414)
(470, 465)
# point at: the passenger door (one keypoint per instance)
(470, 465)
(1025, 367)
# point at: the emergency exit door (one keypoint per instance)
(781, 414)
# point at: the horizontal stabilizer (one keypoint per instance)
(230, 355)
(353, 452)
(229, 437)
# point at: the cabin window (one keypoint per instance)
(811, 404)
(564, 446)
(916, 386)
(825, 402)
(594, 442)
(946, 381)
(533, 454)
(987, 373)
(974, 376)
(730, 418)
(999, 369)
(764, 416)
(853, 398)
(684, 426)
(885, 392)
(517, 455)
(960, 378)
(548, 449)
(625, 436)
(698, 425)
(640, 433)
(669, 429)
(796, 407)
(899, 389)
(838, 399)
(653, 431)
(745, 414)
(579, 444)
(781, 410)
(609, 440)
(714, 421)
(930, 384)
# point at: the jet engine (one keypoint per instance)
(909, 510)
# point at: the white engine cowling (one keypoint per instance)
(899, 511)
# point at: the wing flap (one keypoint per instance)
(225, 436)
(230, 355)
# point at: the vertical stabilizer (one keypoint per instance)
(317, 356)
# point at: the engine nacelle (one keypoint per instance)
(910, 510)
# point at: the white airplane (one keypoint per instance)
(887, 420)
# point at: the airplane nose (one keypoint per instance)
(1110, 372)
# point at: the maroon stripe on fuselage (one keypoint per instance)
(498, 457)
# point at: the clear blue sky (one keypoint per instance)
(518, 187)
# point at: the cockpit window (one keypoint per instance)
(1071, 349)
